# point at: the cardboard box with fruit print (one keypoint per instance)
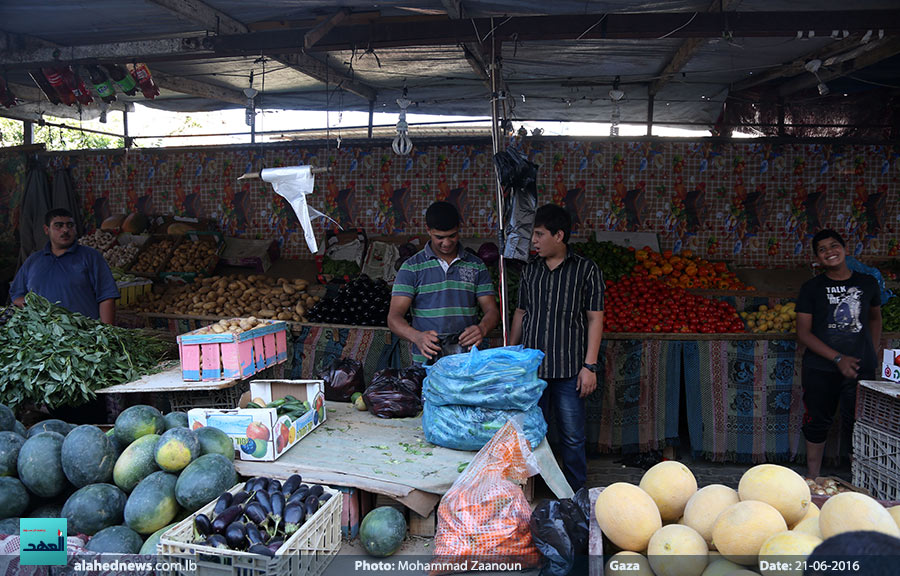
(890, 366)
(272, 417)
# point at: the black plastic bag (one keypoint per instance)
(342, 378)
(395, 393)
(560, 531)
(519, 175)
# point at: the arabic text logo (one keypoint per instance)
(42, 541)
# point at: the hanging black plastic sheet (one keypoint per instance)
(518, 176)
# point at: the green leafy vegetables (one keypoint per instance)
(56, 357)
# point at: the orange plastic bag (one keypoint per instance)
(483, 518)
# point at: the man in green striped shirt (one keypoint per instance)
(440, 286)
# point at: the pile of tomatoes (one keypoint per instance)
(686, 270)
(643, 304)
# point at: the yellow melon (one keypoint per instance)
(704, 507)
(627, 515)
(779, 555)
(677, 550)
(671, 484)
(811, 512)
(720, 567)
(778, 486)
(741, 529)
(850, 511)
(894, 511)
(809, 526)
(628, 564)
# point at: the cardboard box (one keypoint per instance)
(253, 428)
(227, 355)
(889, 368)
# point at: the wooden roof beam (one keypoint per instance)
(324, 27)
(199, 89)
(686, 50)
(840, 69)
(472, 51)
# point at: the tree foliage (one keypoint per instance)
(54, 138)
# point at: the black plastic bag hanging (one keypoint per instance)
(559, 529)
(518, 176)
(342, 378)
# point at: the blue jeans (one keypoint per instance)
(562, 398)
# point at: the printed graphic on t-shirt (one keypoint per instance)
(846, 304)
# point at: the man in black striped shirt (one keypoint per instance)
(560, 312)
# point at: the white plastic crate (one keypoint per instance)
(881, 485)
(877, 449)
(308, 552)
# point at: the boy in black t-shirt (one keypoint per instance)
(839, 322)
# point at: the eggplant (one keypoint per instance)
(261, 550)
(217, 541)
(250, 485)
(325, 497)
(277, 506)
(311, 504)
(291, 484)
(317, 490)
(223, 502)
(276, 484)
(240, 498)
(202, 526)
(275, 543)
(299, 495)
(254, 536)
(255, 513)
(235, 535)
(294, 516)
(222, 521)
(265, 501)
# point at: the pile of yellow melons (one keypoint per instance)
(667, 527)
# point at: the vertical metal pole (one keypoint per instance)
(497, 141)
(650, 115)
(127, 138)
(253, 126)
(27, 132)
(371, 116)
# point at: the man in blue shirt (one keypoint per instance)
(441, 286)
(64, 271)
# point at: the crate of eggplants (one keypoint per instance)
(360, 302)
(259, 517)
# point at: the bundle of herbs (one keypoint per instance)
(55, 357)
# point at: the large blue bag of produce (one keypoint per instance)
(502, 378)
(470, 427)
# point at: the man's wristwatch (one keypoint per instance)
(837, 359)
(592, 367)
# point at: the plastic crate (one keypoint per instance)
(882, 485)
(877, 449)
(206, 357)
(223, 399)
(876, 407)
(131, 292)
(308, 552)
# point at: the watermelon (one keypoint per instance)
(88, 456)
(40, 466)
(138, 421)
(9, 526)
(382, 531)
(117, 444)
(152, 541)
(136, 463)
(152, 504)
(13, 497)
(19, 429)
(204, 480)
(116, 540)
(93, 508)
(214, 441)
(176, 448)
(10, 444)
(7, 418)
(176, 420)
(52, 425)
(52, 510)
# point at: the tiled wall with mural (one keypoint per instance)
(751, 202)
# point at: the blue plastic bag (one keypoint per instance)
(470, 428)
(501, 378)
(857, 266)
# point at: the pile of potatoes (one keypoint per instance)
(232, 326)
(192, 256)
(235, 296)
(153, 256)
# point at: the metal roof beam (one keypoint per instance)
(216, 20)
(686, 51)
(200, 89)
(142, 50)
(437, 30)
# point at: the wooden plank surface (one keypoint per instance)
(167, 381)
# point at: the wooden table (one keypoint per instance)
(383, 456)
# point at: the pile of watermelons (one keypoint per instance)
(122, 488)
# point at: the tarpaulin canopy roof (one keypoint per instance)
(677, 61)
